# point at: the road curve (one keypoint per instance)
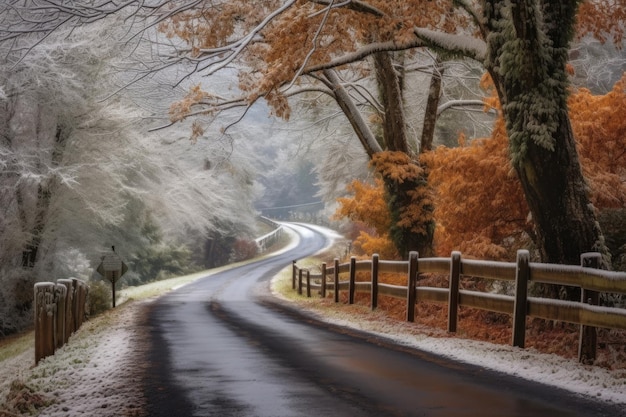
(221, 347)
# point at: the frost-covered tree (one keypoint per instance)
(79, 172)
(46, 103)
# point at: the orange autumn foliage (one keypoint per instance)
(370, 203)
(599, 124)
(303, 35)
(480, 208)
(479, 204)
(603, 19)
(368, 208)
(397, 167)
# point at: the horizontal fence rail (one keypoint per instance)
(586, 313)
(270, 238)
(60, 310)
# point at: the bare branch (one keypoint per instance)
(355, 5)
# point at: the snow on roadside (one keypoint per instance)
(94, 374)
(551, 369)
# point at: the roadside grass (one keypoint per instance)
(25, 388)
(15, 345)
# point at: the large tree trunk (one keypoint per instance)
(394, 124)
(527, 63)
(409, 231)
(400, 195)
(556, 194)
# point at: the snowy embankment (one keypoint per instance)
(98, 372)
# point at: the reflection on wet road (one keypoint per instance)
(219, 350)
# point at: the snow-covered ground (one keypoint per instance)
(97, 373)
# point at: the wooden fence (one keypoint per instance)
(270, 238)
(586, 313)
(59, 311)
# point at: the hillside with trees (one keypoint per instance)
(80, 172)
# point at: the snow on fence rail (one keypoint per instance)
(586, 313)
(59, 311)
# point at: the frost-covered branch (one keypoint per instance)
(364, 52)
(462, 45)
(456, 104)
(355, 5)
(240, 45)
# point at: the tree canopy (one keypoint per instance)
(523, 45)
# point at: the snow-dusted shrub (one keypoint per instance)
(99, 297)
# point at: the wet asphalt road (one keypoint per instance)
(219, 347)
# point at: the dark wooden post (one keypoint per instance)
(588, 335)
(45, 316)
(323, 292)
(453, 294)
(374, 292)
(69, 310)
(308, 283)
(520, 306)
(75, 302)
(336, 280)
(299, 281)
(114, 277)
(79, 302)
(60, 295)
(412, 282)
(351, 286)
(293, 275)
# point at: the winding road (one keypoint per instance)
(221, 347)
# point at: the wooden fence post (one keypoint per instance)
(412, 282)
(588, 335)
(299, 281)
(80, 299)
(374, 291)
(69, 302)
(351, 286)
(453, 291)
(60, 295)
(323, 280)
(45, 315)
(75, 302)
(520, 306)
(308, 283)
(336, 280)
(293, 275)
